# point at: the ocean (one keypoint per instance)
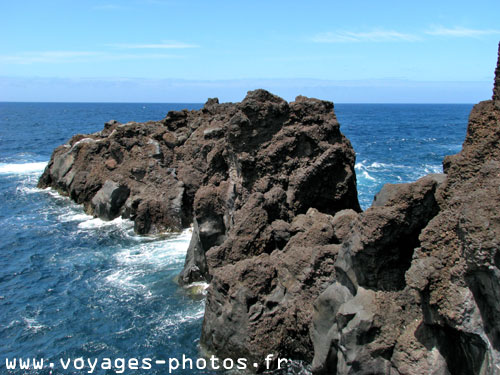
(73, 286)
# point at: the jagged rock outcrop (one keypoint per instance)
(274, 160)
(206, 164)
(259, 179)
(417, 288)
(410, 286)
(124, 170)
(496, 86)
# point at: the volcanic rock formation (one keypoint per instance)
(496, 86)
(417, 288)
(206, 165)
(250, 176)
(410, 286)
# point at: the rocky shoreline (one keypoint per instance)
(409, 286)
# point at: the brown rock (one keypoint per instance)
(496, 86)
(243, 173)
(418, 276)
(111, 164)
(410, 286)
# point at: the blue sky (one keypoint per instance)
(186, 51)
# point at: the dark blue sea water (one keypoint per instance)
(400, 142)
(73, 286)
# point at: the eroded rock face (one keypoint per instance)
(418, 277)
(109, 199)
(276, 160)
(410, 286)
(262, 304)
(204, 165)
(124, 170)
(496, 87)
(260, 180)
(358, 318)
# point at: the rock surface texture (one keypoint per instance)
(204, 166)
(496, 87)
(259, 180)
(410, 286)
(417, 288)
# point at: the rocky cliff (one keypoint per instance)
(496, 86)
(410, 286)
(418, 276)
(204, 166)
(259, 180)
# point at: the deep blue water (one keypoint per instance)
(400, 142)
(73, 286)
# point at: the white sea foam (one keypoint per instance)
(54, 194)
(28, 190)
(428, 168)
(22, 168)
(183, 317)
(201, 284)
(360, 165)
(200, 287)
(126, 279)
(74, 216)
(95, 223)
(379, 166)
(368, 177)
(12, 323)
(157, 253)
(154, 254)
(135, 263)
(33, 325)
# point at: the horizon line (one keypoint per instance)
(202, 103)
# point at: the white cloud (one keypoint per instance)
(461, 32)
(63, 57)
(163, 45)
(379, 35)
(130, 56)
(369, 36)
